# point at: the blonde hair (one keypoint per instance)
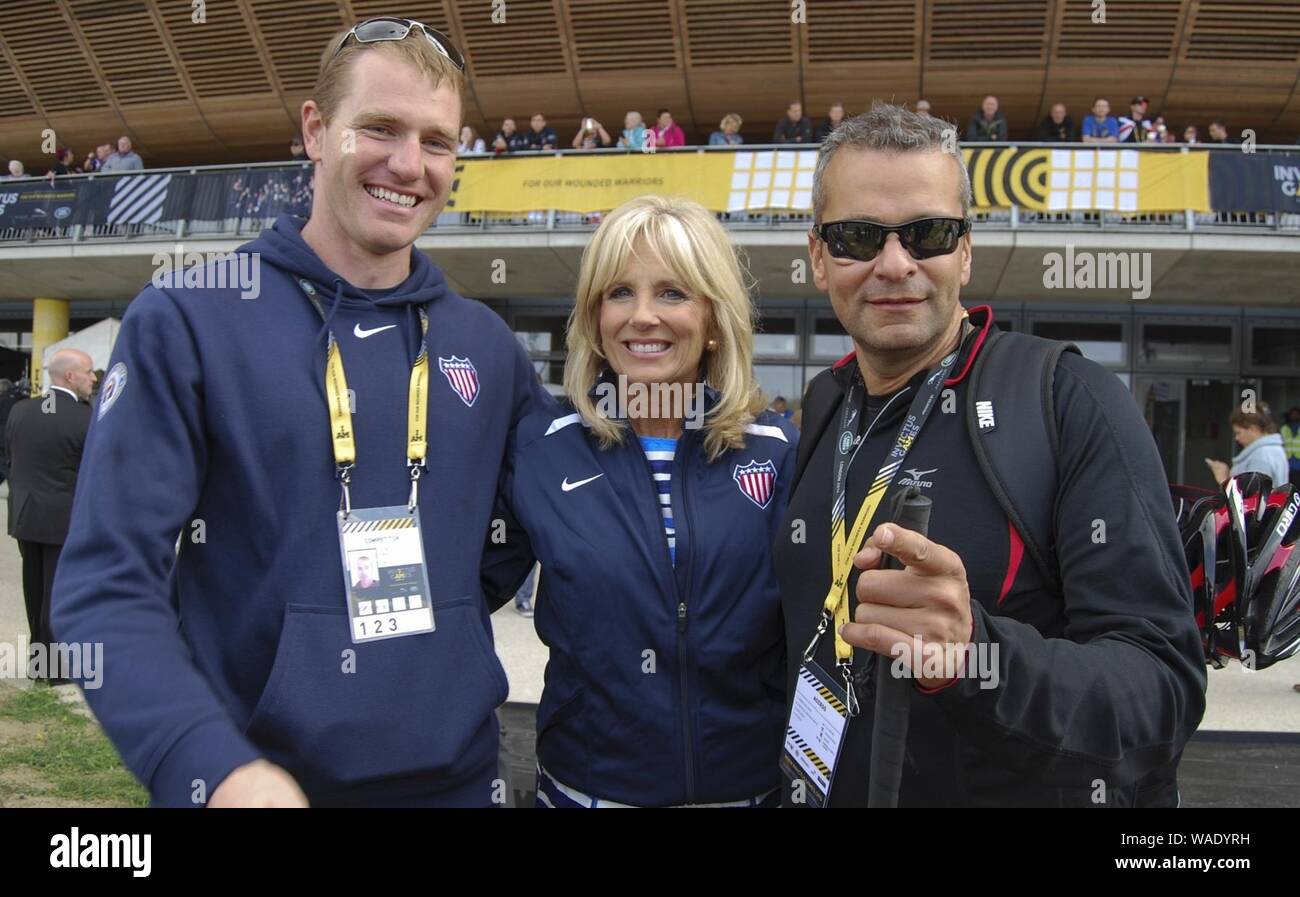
(729, 118)
(333, 82)
(694, 246)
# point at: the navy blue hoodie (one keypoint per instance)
(237, 646)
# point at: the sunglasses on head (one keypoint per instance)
(387, 28)
(862, 241)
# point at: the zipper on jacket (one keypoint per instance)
(679, 465)
(682, 651)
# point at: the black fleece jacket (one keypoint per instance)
(1099, 688)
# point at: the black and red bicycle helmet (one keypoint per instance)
(1244, 567)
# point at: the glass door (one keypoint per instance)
(1188, 417)
(1210, 402)
(1162, 402)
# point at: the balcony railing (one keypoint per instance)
(246, 219)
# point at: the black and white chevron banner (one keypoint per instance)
(138, 199)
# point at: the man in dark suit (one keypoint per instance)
(43, 440)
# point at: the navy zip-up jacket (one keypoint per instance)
(238, 647)
(665, 685)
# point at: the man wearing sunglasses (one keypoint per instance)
(352, 405)
(1078, 684)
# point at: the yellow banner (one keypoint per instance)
(1039, 179)
(588, 183)
(1173, 181)
(1088, 179)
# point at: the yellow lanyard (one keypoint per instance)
(338, 397)
(835, 608)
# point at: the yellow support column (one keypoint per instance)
(49, 325)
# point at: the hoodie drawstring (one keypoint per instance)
(334, 306)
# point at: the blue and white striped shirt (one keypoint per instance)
(659, 452)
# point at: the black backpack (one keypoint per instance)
(1011, 417)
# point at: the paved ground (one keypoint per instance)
(1237, 701)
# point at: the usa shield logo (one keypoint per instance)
(757, 481)
(462, 376)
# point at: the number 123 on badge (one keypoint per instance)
(385, 580)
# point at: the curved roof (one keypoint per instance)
(226, 85)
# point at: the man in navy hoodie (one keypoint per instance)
(231, 676)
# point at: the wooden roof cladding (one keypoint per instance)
(221, 80)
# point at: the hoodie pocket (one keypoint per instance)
(408, 706)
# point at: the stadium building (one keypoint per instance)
(1176, 265)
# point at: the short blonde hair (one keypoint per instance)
(730, 118)
(333, 82)
(694, 246)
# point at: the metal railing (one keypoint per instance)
(247, 222)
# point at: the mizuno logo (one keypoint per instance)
(569, 487)
(914, 478)
(362, 334)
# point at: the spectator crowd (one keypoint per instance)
(987, 124)
(103, 158)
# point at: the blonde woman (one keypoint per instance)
(652, 497)
(728, 133)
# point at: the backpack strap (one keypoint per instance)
(1011, 417)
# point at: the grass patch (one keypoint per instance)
(70, 754)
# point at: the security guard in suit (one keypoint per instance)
(43, 440)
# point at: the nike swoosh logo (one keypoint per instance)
(569, 487)
(362, 334)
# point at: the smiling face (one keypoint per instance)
(893, 304)
(652, 329)
(385, 160)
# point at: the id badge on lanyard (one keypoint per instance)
(384, 574)
(822, 708)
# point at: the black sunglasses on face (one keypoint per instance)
(386, 28)
(862, 241)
